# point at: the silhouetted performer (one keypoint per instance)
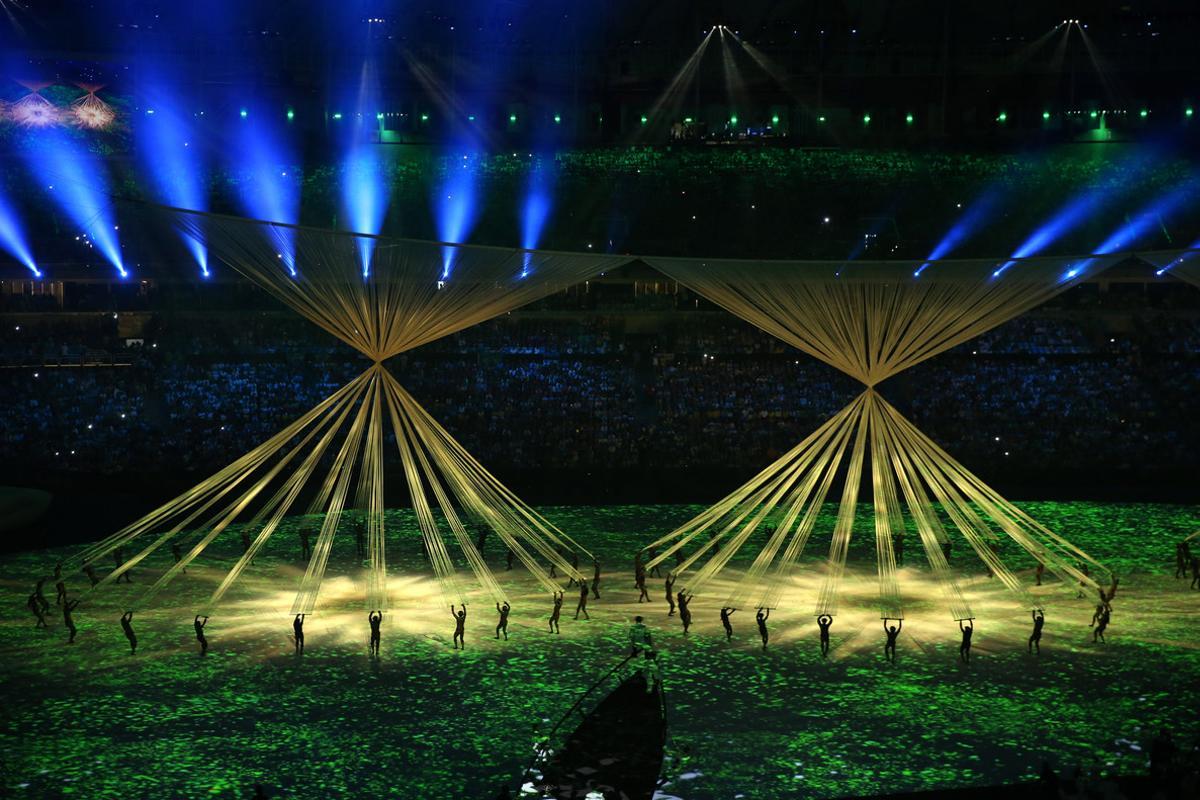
(502, 625)
(58, 570)
(119, 559)
(946, 550)
(1182, 561)
(889, 649)
(61, 588)
(41, 595)
(574, 567)
(177, 551)
(670, 587)
(898, 548)
(127, 626)
(726, 611)
(305, 551)
(679, 557)
(460, 620)
(595, 579)
(1101, 625)
(823, 622)
(964, 647)
(199, 626)
(558, 601)
(245, 540)
(375, 618)
(1035, 639)
(481, 540)
(36, 607)
(652, 554)
(1041, 569)
(1098, 613)
(90, 571)
(639, 580)
(298, 632)
(583, 597)
(508, 559)
(68, 607)
(761, 619)
(685, 613)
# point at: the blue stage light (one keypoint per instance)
(77, 182)
(12, 238)
(272, 191)
(455, 208)
(364, 190)
(965, 226)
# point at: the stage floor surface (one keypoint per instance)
(425, 721)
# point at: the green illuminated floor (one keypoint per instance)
(91, 721)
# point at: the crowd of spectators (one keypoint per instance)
(548, 390)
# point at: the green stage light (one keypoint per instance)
(1092, 114)
(908, 119)
(512, 118)
(379, 115)
(291, 115)
(866, 119)
(1187, 112)
(1045, 115)
(1003, 117)
(774, 119)
(243, 113)
(337, 115)
(470, 118)
(645, 119)
(1143, 113)
(425, 118)
(687, 120)
(733, 120)
(821, 119)
(558, 119)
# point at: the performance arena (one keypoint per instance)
(600, 400)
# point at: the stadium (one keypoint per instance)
(691, 400)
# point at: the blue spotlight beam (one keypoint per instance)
(967, 224)
(170, 157)
(364, 191)
(455, 207)
(535, 210)
(12, 237)
(272, 190)
(76, 181)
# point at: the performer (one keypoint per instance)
(583, 598)
(823, 622)
(964, 647)
(127, 626)
(679, 557)
(298, 633)
(1041, 569)
(639, 580)
(199, 626)
(460, 620)
(595, 579)
(245, 540)
(1101, 625)
(90, 571)
(177, 551)
(68, 607)
(36, 607)
(1182, 561)
(1099, 612)
(502, 625)
(725, 612)
(685, 613)
(305, 550)
(889, 649)
(119, 558)
(652, 554)
(508, 559)
(481, 539)
(639, 637)
(558, 601)
(43, 603)
(375, 618)
(898, 548)
(1035, 639)
(670, 587)
(761, 619)
(60, 586)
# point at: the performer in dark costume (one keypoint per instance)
(200, 633)
(460, 621)
(558, 601)
(1035, 639)
(127, 627)
(502, 625)
(823, 622)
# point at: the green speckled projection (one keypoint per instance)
(91, 721)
